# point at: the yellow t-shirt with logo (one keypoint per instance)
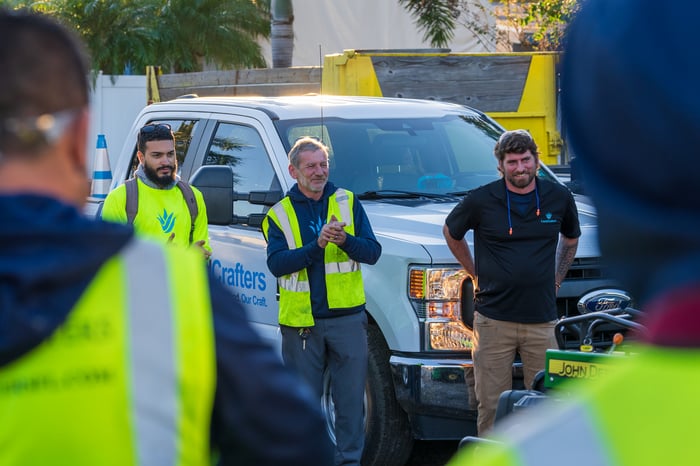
(161, 213)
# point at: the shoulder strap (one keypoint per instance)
(132, 200)
(191, 201)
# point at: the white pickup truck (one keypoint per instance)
(410, 162)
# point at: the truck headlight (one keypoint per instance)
(436, 296)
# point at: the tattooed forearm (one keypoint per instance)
(566, 251)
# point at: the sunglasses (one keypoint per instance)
(153, 127)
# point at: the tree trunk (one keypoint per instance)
(282, 33)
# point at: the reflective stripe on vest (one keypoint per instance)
(148, 308)
(299, 281)
(343, 211)
(343, 275)
(114, 385)
(342, 267)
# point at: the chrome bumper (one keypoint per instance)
(438, 395)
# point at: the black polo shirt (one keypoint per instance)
(516, 271)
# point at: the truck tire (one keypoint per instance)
(388, 436)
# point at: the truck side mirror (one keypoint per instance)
(256, 220)
(216, 184)
(268, 198)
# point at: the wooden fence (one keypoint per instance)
(270, 82)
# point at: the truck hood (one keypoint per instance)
(421, 222)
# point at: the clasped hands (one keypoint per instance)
(332, 232)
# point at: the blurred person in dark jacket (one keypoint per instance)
(116, 350)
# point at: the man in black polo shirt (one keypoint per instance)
(518, 222)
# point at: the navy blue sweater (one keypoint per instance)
(362, 247)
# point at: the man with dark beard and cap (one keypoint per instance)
(630, 101)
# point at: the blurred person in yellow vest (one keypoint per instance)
(116, 350)
(630, 101)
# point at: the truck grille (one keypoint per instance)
(588, 268)
(585, 269)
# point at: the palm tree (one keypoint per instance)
(175, 34)
(282, 33)
(222, 31)
(437, 18)
(119, 35)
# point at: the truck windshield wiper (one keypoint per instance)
(459, 193)
(398, 194)
(388, 193)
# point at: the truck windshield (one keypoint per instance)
(440, 156)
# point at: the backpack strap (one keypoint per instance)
(132, 200)
(191, 201)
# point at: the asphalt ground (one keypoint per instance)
(432, 452)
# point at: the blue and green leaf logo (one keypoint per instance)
(167, 221)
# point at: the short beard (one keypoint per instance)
(522, 184)
(161, 181)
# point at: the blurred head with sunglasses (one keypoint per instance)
(156, 154)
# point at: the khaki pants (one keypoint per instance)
(495, 345)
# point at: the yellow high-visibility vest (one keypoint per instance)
(127, 379)
(344, 286)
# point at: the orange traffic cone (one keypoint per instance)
(101, 171)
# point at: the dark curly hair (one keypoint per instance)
(516, 141)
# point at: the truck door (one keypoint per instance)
(239, 259)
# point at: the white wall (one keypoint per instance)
(114, 106)
(337, 25)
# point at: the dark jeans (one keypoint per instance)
(340, 345)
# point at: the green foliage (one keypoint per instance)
(541, 24)
(550, 19)
(223, 31)
(179, 35)
(117, 33)
(435, 17)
